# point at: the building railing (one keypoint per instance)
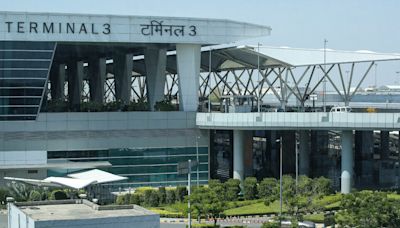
(299, 120)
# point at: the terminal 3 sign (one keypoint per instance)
(22, 26)
(153, 28)
(52, 27)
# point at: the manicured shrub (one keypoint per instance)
(136, 199)
(268, 187)
(217, 187)
(162, 195)
(170, 196)
(58, 195)
(123, 199)
(232, 187)
(151, 198)
(250, 188)
(180, 192)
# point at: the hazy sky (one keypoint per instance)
(346, 24)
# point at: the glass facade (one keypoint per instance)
(143, 167)
(24, 67)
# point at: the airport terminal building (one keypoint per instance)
(136, 95)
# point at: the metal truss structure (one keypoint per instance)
(245, 71)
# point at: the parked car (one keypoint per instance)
(341, 109)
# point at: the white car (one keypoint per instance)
(341, 109)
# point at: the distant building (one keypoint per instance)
(78, 213)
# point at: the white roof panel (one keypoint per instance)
(305, 57)
(70, 182)
(98, 176)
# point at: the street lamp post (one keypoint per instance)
(189, 186)
(297, 163)
(280, 175)
(197, 159)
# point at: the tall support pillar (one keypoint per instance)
(238, 154)
(188, 56)
(123, 64)
(156, 60)
(304, 153)
(57, 79)
(97, 77)
(75, 81)
(347, 162)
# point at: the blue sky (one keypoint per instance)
(346, 24)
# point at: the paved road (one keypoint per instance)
(3, 219)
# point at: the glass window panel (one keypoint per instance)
(17, 118)
(18, 92)
(20, 101)
(25, 45)
(18, 110)
(24, 64)
(25, 55)
(22, 82)
(23, 73)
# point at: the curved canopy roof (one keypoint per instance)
(76, 181)
(231, 57)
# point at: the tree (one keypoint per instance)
(19, 191)
(205, 201)
(250, 188)
(170, 196)
(268, 189)
(232, 187)
(162, 195)
(368, 209)
(3, 195)
(35, 195)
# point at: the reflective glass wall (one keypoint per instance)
(24, 67)
(143, 167)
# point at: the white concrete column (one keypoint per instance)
(238, 154)
(156, 60)
(97, 77)
(123, 64)
(75, 81)
(57, 79)
(304, 153)
(188, 62)
(347, 161)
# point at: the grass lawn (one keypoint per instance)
(317, 218)
(257, 208)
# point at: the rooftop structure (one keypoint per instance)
(79, 213)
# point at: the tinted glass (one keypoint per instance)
(24, 68)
